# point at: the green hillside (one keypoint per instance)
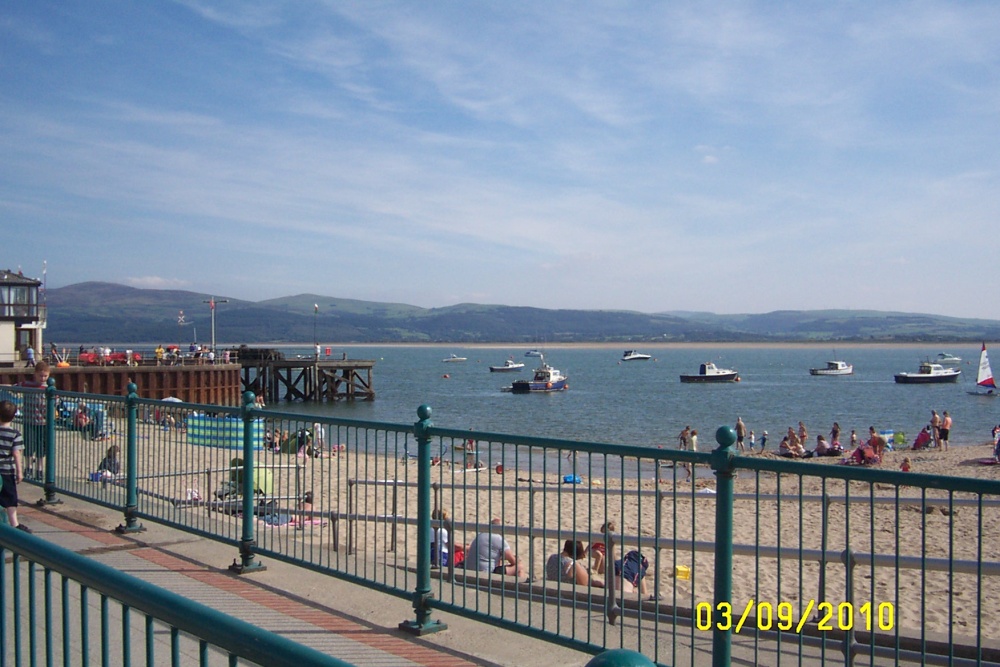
(97, 312)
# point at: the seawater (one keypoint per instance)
(644, 403)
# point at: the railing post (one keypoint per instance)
(722, 464)
(247, 542)
(49, 486)
(131, 524)
(849, 561)
(422, 595)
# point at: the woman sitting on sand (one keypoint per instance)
(110, 465)
(824, 448)
(791, 449)
(568, 566)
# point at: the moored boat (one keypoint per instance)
(546, 379)
(833, 368)
(985, 384)
(635, 355)
(455, 357)
(946, 358)
(509, 366)
(709, 372)
(532, 353)
(929, 373)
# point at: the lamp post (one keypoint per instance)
(211, 304)
(315, 338)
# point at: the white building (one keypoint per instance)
(22, 318)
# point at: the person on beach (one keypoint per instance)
(753, 441)
(835, 434)
(598, 550)
(877, 442)
(439, 538)
(110, 466)
(794, 443)
(29, 353)
(923, 439)
(568, 566)
(741, 434)
(11, 463)
(693, 440)
(763, 441)
(936, 428)
(905, 467)
(158, 353)
(824, 448)
(996, 443)
(682, 437)
(490, 552)
(34, 421)
(803, 434)
(945, 431)
(630, 572)
(854, 439)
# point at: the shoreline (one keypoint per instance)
(621, 345)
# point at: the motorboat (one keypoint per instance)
(929, 373)
(946, 359)
(532, 353)
(455, 357)
(709, 372)
(635, 355)
(833, 368)
(546, 379)
(985, 384)
(509, 366)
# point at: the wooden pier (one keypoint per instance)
(309, 379)
(211, 384)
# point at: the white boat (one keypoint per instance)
(833, 368)
(634, 355)
(532, 353)
(985, 384)
(455, 357)
(708, 372)
(929, 373)
(546, 379)
(946, 359)
(509, 366)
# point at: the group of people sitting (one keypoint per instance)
(791, 447)
(490, 552)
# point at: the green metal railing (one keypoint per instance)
(44, 581)
(782, 562)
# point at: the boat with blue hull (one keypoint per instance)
(546, 379)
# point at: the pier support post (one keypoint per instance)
(247, 563)
(722, 463)
(423, 624)
(131, 524)
(49, 484)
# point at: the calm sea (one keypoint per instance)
(644, 403)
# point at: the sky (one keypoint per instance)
(731, 157)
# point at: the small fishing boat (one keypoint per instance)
(948, 359)
(546, 379)
(985, 384)
(929, 373)
(833, 368)
(532, 353)
(455, 357)
(635, 355)
(509, 366)
(709, 372)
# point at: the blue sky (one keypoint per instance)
(734, 157)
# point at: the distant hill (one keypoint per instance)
(95, 312)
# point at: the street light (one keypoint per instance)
(211, 304)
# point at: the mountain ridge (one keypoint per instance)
(92, 312)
